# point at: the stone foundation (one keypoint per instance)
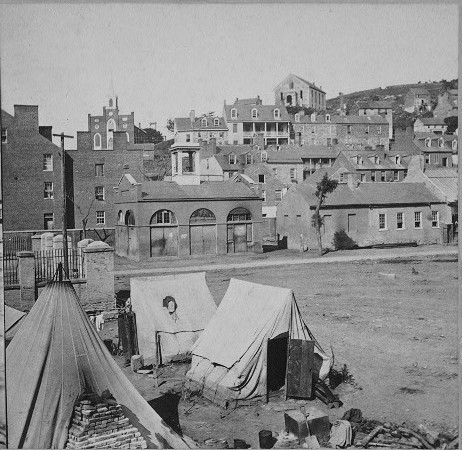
(100, 423)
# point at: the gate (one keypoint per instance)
(203, 232)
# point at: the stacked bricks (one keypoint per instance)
(100, 423)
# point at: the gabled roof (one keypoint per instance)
(374, 105)
(184, 124)
(432, 120)
(236, 149)
(320, 119)
(311, 151)
(443, 172)
(265, 113)
(404, 145)
(419, 91)
(309, 83)
(366, 194)
(446, 180)
(425, 134)
(387, 163)
(247, 101)
(210, 190)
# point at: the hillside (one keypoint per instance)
(394, 94)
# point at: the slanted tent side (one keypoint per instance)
(173, 308)
(56, 356)
(230, 358)
(13, 320)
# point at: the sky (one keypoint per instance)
(163, 60)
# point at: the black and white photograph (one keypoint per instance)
(229, 225)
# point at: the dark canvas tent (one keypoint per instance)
(13, 320)
(54, 357)
(230, 359)
(171, 313)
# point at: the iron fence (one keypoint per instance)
(46, 263)
(10, 270)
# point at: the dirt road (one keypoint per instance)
(397, 336)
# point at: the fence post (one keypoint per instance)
(26, 275)
(99, 271)
(36, 243)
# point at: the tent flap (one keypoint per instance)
(229, 358)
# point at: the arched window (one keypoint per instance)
(239, 215)
(291, 85)
(120, 217)
(277, 114)
(234, 113)
(297, 117)
(232, 158)
(129, 218)
(97, 141)
(441, 142)
(428, 142)
(163, 217)
(216, 122)
(128, 136)
(109, 143)
(110, 103)
(111, 125)
(397, 159)
(454, 144)
(202, 215)
(264, 156)
(327, 117)
(204, 122)
(254, 113)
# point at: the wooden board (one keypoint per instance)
(299, 377)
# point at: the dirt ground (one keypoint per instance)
(397, 336)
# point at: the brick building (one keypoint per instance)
(32, 169)
(295, 91)
(315, 129)
(378, 108)
(161, 218)
(359, 132)
(31, 164)
(438, 150)
(430, 125)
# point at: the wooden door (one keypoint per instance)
(203, 239)
(299, 375)
(164, 241)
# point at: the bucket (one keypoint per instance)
(265, 438)
(240, 443)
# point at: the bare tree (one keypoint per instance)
(323, 188)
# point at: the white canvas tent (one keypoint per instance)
(229, 360)
(13, 320)
(168, 329)
(55, 357)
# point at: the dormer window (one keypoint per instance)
(264, 156)
(454, 144)
(313, 117)
(327, 117)
(248, 158)
(376, 160)
(234, 113)
(232, 158)
(277, 114)
(297, 117)
(204, 122)
(397, 159)
(428, 142)
(359, 159)
(254, 113)
(110, 103)
(367, 129)
(441, 142)
(216, 122)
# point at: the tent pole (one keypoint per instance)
(288, 346)
(266, 364)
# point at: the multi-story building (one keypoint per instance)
(438, 151)
(32, 170)
(378, 108)
(315, 129)
(31, 163)
(360, 132)
(448, 104)
(417, 99)
(248, 118)
(295, 91)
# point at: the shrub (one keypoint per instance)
(342, 241)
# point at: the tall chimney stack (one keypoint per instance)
(342, 104)
(192, 116)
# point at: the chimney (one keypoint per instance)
(297, 139)
(342, 104)
(259, 102)
(46, 132)
(213, 146)
(192, 116)
(258, 139)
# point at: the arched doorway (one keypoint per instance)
(240, 236)
(164, 234)
(203, 232)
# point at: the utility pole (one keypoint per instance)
(64, 221)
